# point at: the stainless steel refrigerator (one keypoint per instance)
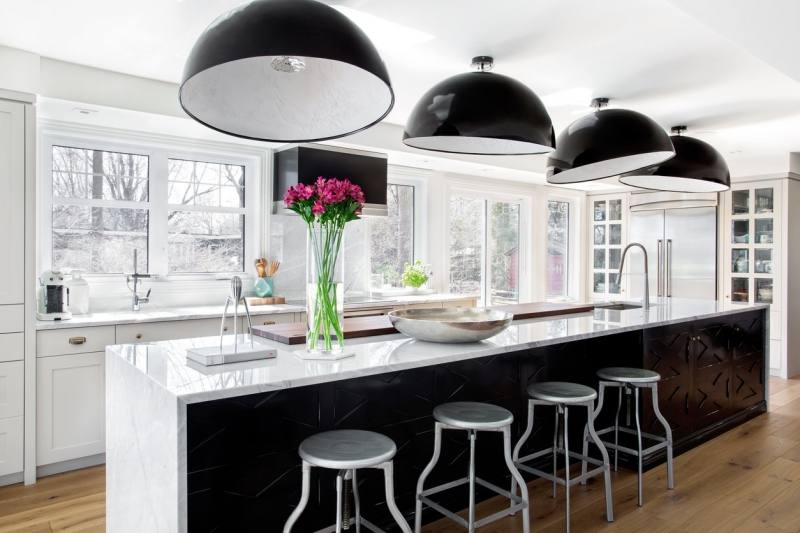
(680, 234)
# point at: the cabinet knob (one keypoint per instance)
(269, 322)
(138, 335)
(77, 340)
(225, 328)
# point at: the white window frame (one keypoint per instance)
(159, 149)
(573, 248)
(525, 231)
(416, 178)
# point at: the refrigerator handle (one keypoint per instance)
(659, 267)
(669, 268)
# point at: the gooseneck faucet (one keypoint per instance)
(136, 277)
(646, 302)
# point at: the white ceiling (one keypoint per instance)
(666, 58)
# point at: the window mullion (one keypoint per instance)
(158, 230)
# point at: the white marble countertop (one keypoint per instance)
(155, 314)
(165, 362)
(159, 315)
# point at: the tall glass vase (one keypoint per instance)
(324, 292)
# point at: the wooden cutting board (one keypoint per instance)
(355, 327)
(543, 309)
(369, 326)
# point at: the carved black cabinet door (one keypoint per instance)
(711, 371)
(667, 351)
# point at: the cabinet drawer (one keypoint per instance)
(184, 329)
(10, 445)
(11, 387)
(160, 331)
(74, 340)
(268, 320)
(12, 347)
(12, 318)
(70, 407)
(424, 305)
(467, 302)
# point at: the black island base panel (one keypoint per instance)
(244, 471)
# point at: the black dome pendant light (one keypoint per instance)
(285, 71)
(606, 143)
(480, 113)
(696, 167)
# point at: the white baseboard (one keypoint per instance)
(10, 479)
(72, 464)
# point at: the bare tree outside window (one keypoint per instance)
(206, 217)
(392, 237)
(100, 209)
(558, 249)
(466, 217)
(484, 248)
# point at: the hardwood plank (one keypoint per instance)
(747, 480)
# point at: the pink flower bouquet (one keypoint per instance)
(326, 206)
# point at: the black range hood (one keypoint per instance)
(304, 163)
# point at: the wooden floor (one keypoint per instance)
(745, 481)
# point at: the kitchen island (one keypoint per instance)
(216, 449)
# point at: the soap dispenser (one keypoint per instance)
(78, 293)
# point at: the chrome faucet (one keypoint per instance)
(646, 302)
(136, 277)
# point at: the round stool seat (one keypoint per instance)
(561, 392)
(473, 415)
(347, 449)
(628, 375)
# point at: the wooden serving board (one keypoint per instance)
(543, 309)
(370, 326)
(354, 327)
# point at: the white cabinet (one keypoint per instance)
(752, 253)
(183, 329)
(12, 202)
(761, 258)
(11, 411)
(11, 438)
(11, 389)
(17, 202)
(70, 410)
(74, 340)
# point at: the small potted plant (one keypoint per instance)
(416, 275)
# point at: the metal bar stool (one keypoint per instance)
(627, 380)
(348, 450)
(562, 395)
(472, 417)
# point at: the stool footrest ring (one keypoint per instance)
(630, 431)
(517, 505)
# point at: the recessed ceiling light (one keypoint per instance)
(384, 33)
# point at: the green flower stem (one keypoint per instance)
(326, 240)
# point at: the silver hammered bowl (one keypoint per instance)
(453, 324)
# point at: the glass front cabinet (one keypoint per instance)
(752, 250)
(607, 236)
(752, 256)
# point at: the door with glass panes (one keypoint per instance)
(485, 252)
(752, 242)
(607, 221)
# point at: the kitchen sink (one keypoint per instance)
(618, 306)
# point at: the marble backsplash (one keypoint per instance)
(287, 244)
